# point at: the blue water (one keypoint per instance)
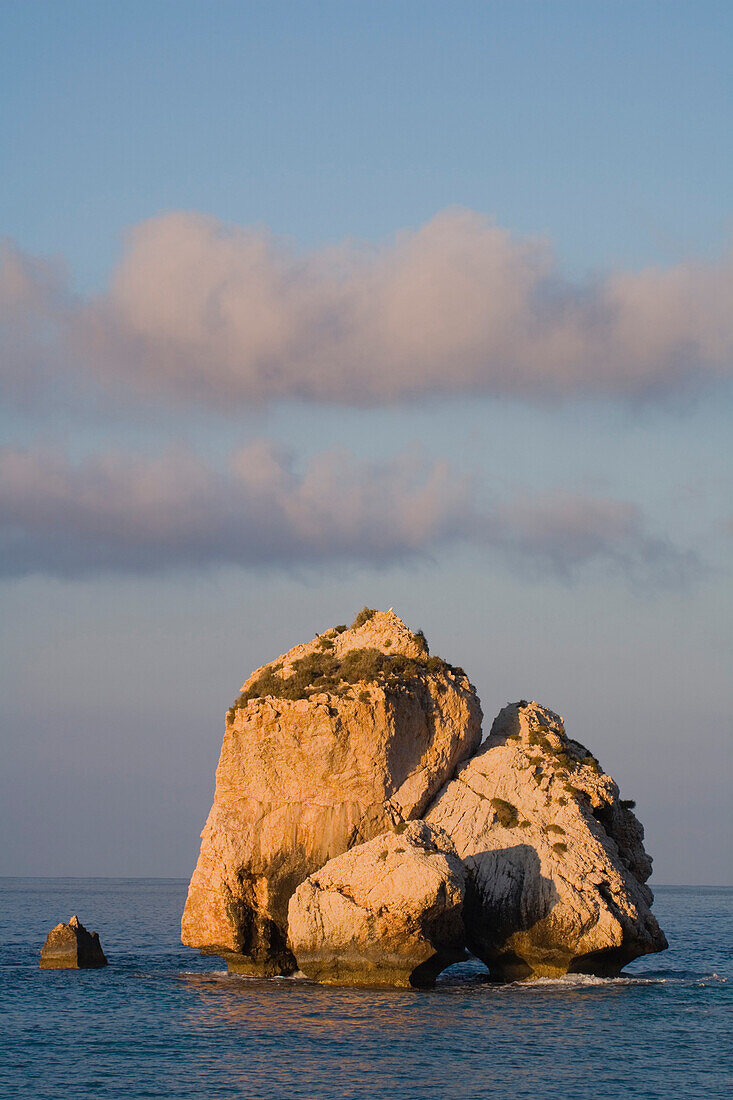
(162, 1021)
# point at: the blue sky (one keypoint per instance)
(320, 304)
(604, 125)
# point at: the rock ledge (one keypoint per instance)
(389, 912)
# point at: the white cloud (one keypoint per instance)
(229, 316)
(119, 513)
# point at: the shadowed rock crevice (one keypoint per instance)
(262, 948)
(525, 899)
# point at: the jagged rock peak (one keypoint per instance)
(555, 858)
(371, 629)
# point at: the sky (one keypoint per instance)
(306, 306)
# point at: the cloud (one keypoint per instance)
(113, 512)
(116, 513)
(561, 532)
(201, 311)
(37, 316)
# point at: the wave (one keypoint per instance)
(206, 974)
(298, 976)
(473, 982)
(584, 981)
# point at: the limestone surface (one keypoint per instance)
(327, 747)
(556, 861)
(71, 947)
(388, 912)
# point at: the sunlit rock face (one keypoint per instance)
(360, 831)
(556, 863)
(389, 912)
(330, 745)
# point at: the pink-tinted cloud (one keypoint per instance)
(121, 513)
(117, 513)
(197, 310)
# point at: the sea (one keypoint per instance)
(163, 1021)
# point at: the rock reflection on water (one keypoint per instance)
(644, 1036)
(328, 1041)
(324, 1041)
(316, 1010)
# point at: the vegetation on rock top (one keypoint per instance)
(323, 672)
(364, 616)
(562, 760)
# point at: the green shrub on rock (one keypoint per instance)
(323, 672)
(364, 616)
(506, 813)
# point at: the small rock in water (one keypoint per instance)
(71, 947)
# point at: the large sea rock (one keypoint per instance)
(332, 744)
(345, 765)
(556, 861)
(388, 912)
